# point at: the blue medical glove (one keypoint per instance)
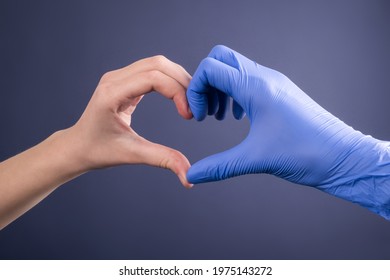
(290, 136)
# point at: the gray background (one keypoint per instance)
(52, 54)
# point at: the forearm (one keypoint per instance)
(27, 178)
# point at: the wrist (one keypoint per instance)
(66, 152)
(363, 177)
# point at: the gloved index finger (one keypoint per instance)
(211, 73)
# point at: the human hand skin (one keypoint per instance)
(290, 136)
(101, 138)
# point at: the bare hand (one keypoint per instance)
(104, 132)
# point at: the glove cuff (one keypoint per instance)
(363, 177)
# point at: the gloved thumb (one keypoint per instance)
(230, 163)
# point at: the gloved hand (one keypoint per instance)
(290, 136)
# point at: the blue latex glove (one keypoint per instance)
(290, 136)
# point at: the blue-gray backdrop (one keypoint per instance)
(52, 54)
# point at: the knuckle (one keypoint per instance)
(105, 87)
(171, 161)
(206, 62)
(107, 76)
(153, 75)
(219, 49)
(165, 163)
(159, 61)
